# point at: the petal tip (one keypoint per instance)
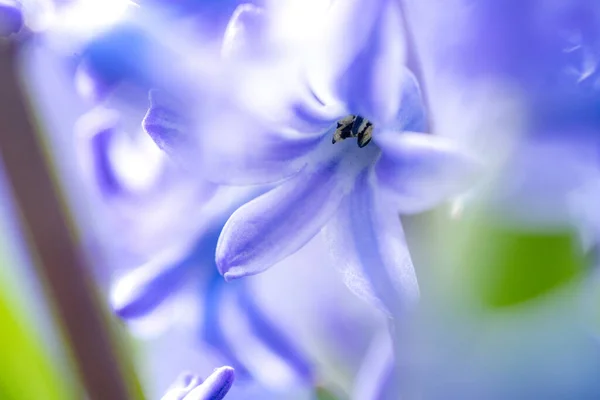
(219, 382)
(233, 274)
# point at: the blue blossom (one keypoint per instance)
(191, 387)
(11, 17)
(168, 228)
(352, 191)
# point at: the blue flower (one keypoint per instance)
(170, 222)
(191, 387)
(324, 178)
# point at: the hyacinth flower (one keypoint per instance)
(350, 157)
(168, 228)
(191, 387)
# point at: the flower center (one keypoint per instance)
(354, 126)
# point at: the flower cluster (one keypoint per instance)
(224, 138)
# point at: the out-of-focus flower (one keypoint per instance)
(191, 387)
(543, 59)
(150, 46)
(355, 191)
(11, 17)
(169, 222)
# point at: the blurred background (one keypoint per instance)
(109, 287)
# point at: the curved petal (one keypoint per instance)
(166, 124)
(410, 114)
(243, 35)
(94, 132)
(373, 85)
(421, 170)
(212, 330)
(142, 290)
(273, 337)
(278, 223)
(270, 359)
(375, 377)
(215, 387)
(191, 387)
(244, 151)
(182, 386)
(368, 246)
(339, 36)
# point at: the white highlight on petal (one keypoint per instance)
(91, 16)
(136, 161)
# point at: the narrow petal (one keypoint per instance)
(257, 343)
(213, 330)
(368, 246)
(144, 289)
(278, 223)
(375, 377)
(191, 387)
(422, 170)
(272, 336)
(95, 131)
(215, 387)
(374, 83)
(339, 36)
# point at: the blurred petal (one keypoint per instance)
(119, 54)
(166, 125)
(190, 387)
(182, 386)
(375, 377)
(95, 131)
(422, 170)
(11, 17)
(368, 246)
(374, 83)
(278, 223)
(259, 344)
(242, 153)
(145, 288)
(274, 338)
(215, 387)
(212, 331)
(410, 114)
(339, 36)
(243, 34)
(266, 64)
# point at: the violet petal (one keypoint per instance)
(278, 223)
(421, 170)
(368, 246)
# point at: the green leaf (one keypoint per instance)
(26, 371)
(506, 265)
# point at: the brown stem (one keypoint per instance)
(46, 224)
